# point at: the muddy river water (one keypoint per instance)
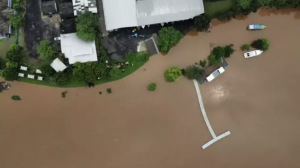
(256, 99)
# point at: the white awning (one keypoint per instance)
(23, 68)
(30, 76)
(38, 71)
(57, 65)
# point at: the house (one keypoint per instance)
(5, 13)
(77, 50)
(80, 6)
(48, 7)
(134, 13)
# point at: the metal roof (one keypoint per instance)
(132, 13)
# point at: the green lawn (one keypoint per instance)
(73, 83)
(212, 9)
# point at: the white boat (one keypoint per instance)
(252, 53)
(256, 27)
(215, 74)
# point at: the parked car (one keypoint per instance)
(253, 53)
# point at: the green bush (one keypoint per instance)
(228, 50)
(60, 78)
(16, 20)
(115, 72)
(10, 74)
(167, 37)
(173, 74)
(100, 93)
(12, 65)
(203, 63)
(152, 87)
(213, 60)
(16, 97)
(16, 7)
(63, 94)
(219, 52)
(202, 22)
(108, 90)
(244, 4)
(14, 54)
(193, 72)
(261, 44)
(246, 47)
(47, 70)
(133, 58)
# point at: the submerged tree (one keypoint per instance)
(167, 37)
(202, 22)
(193, 72)
(173, 74)
(262, 44)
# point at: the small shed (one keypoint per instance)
(58, 66)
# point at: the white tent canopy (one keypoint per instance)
(57, 65)
(132, 13)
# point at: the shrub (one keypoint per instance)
(16, 7)
(213, 60)
(202, 22)
(219, 52)
(12, 65)
(115, 72)
(14, 54)
(16, 20)
(246, 47)
(16, 97)
(108, 90)
(193, 72)
(63, 94)
(10, 74)
(60, 78)
(100, 93)
(261, 44)
(133, 58)
(167, 37)
(86, 25)
(203, 63)
(173, 74)
(46, 50)
(152, 87)
(228, 50)
(47, 70)
(100, 70)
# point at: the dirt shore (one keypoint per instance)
(256, 99)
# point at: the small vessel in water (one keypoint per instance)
(256, 27)
(253, 53)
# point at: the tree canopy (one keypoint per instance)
(244, 4)
(60, 78)
(194, 72)
(173, 74)
(16, 20)
(214, 60)
(202, 22)
(86, 25)
(14, 54)
(46, 50)
(115, 72)
(10, 74)
(167, 37)
(261, 44)
(47, 70)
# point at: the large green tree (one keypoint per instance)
(219, 52)
(193, 72)
(46, 50)
(16, 20)
(47, 70)
(202, 22)
(14, 54)
(173, 74)
(86, 25)
(167, 37)
(262, 44)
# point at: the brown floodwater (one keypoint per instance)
(256, 99)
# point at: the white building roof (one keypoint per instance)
(119, 13)
(20, 74)
(23, 68)
(38, 71)
(79, 6)
(131, 13)
(40, 78)
(57, 65)
(77, 50)
(30, 76)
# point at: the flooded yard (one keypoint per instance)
(256, 99)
